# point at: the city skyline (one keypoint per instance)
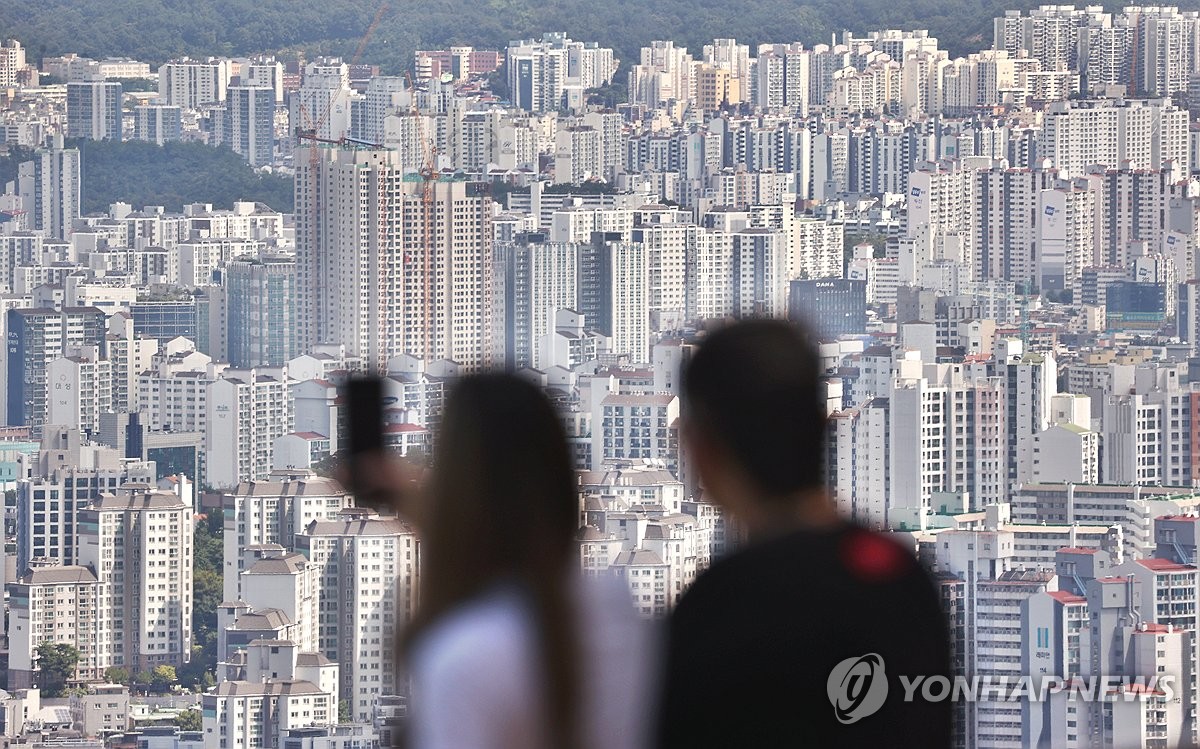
(995, 253)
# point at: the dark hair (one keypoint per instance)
(754, 388)
(504, 506)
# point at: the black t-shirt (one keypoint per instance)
(754, 641)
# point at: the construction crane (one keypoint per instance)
(314, 126)
(428, 174)
(309, 130)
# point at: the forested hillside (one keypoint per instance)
(155, 30)
(141, 173)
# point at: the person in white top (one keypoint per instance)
(511, 648)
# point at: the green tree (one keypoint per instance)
(136, 84)
(207, 559)
(609, 95)
(172, 175)
(117, 675)
(344, 712)
(56, 665)
(189, 720)
(162, 678)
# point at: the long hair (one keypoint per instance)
(504, 506)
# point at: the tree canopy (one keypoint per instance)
(207, 558)
(189, 720)
(173, 175)
(56, 666)
(228, 27)
(142, 173)
(117, 675)
(162, 678)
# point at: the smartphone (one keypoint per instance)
(364, 415)
(363, 398)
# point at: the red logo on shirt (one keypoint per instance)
(873, 558)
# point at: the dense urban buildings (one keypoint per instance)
(995, 254)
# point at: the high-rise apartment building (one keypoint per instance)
(49, 188)
(260, 311)
(157, 123)
(139, 544)
(80, 388)
(273, 512)
(536, 278)
(614, 292)
(759, 273)
(191, 84)
(248, 409)
(14, 70)
(368, 589)
(94, 110)
(1147, 132)
(56, 604)
(667, 246)
(36, 337)
(1164, 48)
(324, 100)
(250, 123)
(388, 264)
(664, 75)
(266, 713)
(553, 73)
(67, 473)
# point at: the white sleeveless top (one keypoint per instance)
(477, 681)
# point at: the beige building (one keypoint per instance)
(367, 567)
(57, 604)
(139, 542)
(374, 235)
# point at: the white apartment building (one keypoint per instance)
(760, 273)
(367, 567)
(710, 270)
(130, 354)
(641, 485)
(635, 428)
(578, 155)
(1149, 133)
(247, 411)
(996, 629)
(173, 393)
(260, 714)
(1066, 453)
(191, 84)
(1066, 238)
(49, 189)
(80, 389)
(48, 503)
(534, 279)
(57, 604)
(663, 75)
(552, 73)
(273, 512)
(324, 101)
(648, 577)
(139, 543)
(1005, 221)
(667, 247)
(286, 581)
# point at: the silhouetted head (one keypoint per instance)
(504, 508)
(753, 407)
(503, 484)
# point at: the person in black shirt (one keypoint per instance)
(801, 637)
